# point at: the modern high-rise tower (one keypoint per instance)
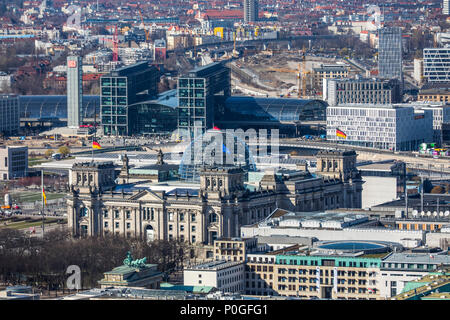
(74, 91)
(250, 10)
(390, 53)
(446, 7)
(199, 93)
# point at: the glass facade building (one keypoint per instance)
(390, 53)
(121, 88)
(46, 108)
(270, 113)
(9, 114)
(436, 64)
(199, 92)
(154, 116)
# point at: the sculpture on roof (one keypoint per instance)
(138, 263)
(160, 160)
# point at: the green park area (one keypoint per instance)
(25, 224)
(37, 160)
(28, 196)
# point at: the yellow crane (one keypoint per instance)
(302, 74)
(142, 20)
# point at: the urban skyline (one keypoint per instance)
(248, 150)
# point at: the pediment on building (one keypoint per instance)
(146, 195)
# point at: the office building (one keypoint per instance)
(120, 89)
(74, 91)
(446, 134)
(328, 72)
(250, 11)
(226, 276)
(13, 162)
(399, 269)
(234, 249)
(154, 116)
(361, 273)
(434, 92)
(418, 71)
(436, 64)
(199, 93)
(160, 50)
(316, 275)
(441, 114)
(399, 127)
(9, 114)
(362, 91)
(390, 53)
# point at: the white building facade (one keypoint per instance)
(400, 268)
(226, 276)
(396, 127)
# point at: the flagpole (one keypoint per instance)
(95, 131)
(43, 203)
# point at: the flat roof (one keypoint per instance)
(214, 265)
(423, 258)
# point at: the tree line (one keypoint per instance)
(43, 262)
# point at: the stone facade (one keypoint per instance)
(220, 205)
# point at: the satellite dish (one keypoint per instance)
(422, 213)
(415, 213)
(446, 213)
(428, 213)
(441, 213)
(435, 213)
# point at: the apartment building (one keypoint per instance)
(234, 249)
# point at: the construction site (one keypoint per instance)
(279, 73)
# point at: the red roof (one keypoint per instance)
(222, 14)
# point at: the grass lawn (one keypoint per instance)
(35, 196)
(36, 161)
(27, 224)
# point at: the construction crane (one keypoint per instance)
(115, 41)
(143, 24)
(302, 74)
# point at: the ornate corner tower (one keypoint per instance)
(342, 164)
(87, 183)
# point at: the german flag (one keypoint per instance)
(96, 145)
(341, 134)
(44, 196)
